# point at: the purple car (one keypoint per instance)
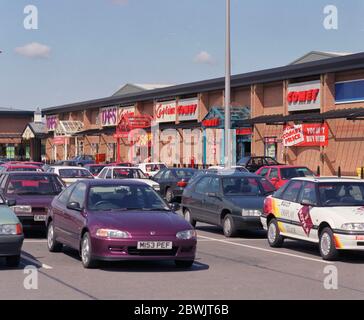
(119, 220)
(30, 194)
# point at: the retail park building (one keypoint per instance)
(307, 113)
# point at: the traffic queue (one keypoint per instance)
(128, 212)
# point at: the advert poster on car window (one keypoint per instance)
(306, 135)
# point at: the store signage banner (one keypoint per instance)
(60, 141)
(349, 91)
(130, 111)
(304, 96)
(188, 109)
(165, 111)
(109, 116)
(52, 123)
(306, 135)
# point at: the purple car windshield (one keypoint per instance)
(124, 197)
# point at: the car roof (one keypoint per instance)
(328, 179)
(68, 167)
(223, 173)
(122, 167)
(29, 173)
(281, 166)
(24, 166)
(111, 182)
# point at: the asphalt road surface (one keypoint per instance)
(240, 268)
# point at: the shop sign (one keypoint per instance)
(109, 116)
(59, 140)
(244, 132)
(165, 111)
(304, 96)
(130, 111)
(52, 123)
(215, 122)
(306, 135)
(188, 109)
(349, 91)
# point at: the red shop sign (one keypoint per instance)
(306, 135)
(244, 131)
(211, 122)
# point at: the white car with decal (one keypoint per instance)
(326, 211)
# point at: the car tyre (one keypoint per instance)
(184, 263)
(86, 252)
(327, 245)
(188, 217)
(229, 227)
(169, 195)
(52, 244)
(275, 239)
(13, 261)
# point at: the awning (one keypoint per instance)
(279, 119)
(35, 130)
(68, 128)
(216, 117)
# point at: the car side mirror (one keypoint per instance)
(175, 206)
(74, 206)
(10, 202)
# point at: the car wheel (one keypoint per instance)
(86, 252)
(184, 263)
(188, 217)
(13, 261)
(169, 195)
(229, 227)
(275, 239)
(53, 245)
(327, 245)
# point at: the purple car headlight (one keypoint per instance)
(186, 235)
(115, 234)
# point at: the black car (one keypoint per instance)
(255, 163)
(173, 181)
(233, 201)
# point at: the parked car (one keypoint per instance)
(280, 175)
(19, 167)
(254, 163)
(67, 163)
(122, 164)
(119, 220)
(233, 201)
(95, 169)
(30, 194)
(33, 163)
(173, 181)
(151, 168)
(234, 168)
(83, 160)
(127, 173)
(325, 211)
(11, 235)
(70, 175)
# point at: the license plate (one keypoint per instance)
(155, 245)
(40, 218)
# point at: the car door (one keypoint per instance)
(273, 177)
(197, 200)
(213, 202)
(59, 215)
(288, 207)
(74, 219)
(169, 180)
(263, 172)
(108, 174)
(159, 178)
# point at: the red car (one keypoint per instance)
(280, 175)
(19, 167)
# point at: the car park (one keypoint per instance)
(233, 201)
(113, 220)
(11, 235)
(151, 168)
(70, 175)
(325, 211)
(173, 181)
(280, 175)
(30, 195)
(127, 173)
(254, 163)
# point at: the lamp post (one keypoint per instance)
(228, 142)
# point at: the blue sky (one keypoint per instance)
(91, 47)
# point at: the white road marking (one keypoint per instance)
(232, 240)
(267, 250)
(37, 263)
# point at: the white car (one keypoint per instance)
(69, 174)
(234, 168)
(326, 211)
(150, 169)
(127, 173)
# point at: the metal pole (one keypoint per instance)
(228, 145)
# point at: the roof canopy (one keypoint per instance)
(68, 128)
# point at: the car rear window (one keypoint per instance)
(154, 167)
(125, 173)
(74, 173)
(289, 173)
(35, 185)
(184, 173)
(246, 186)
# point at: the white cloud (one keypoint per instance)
(204, 57)
(34, 50)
